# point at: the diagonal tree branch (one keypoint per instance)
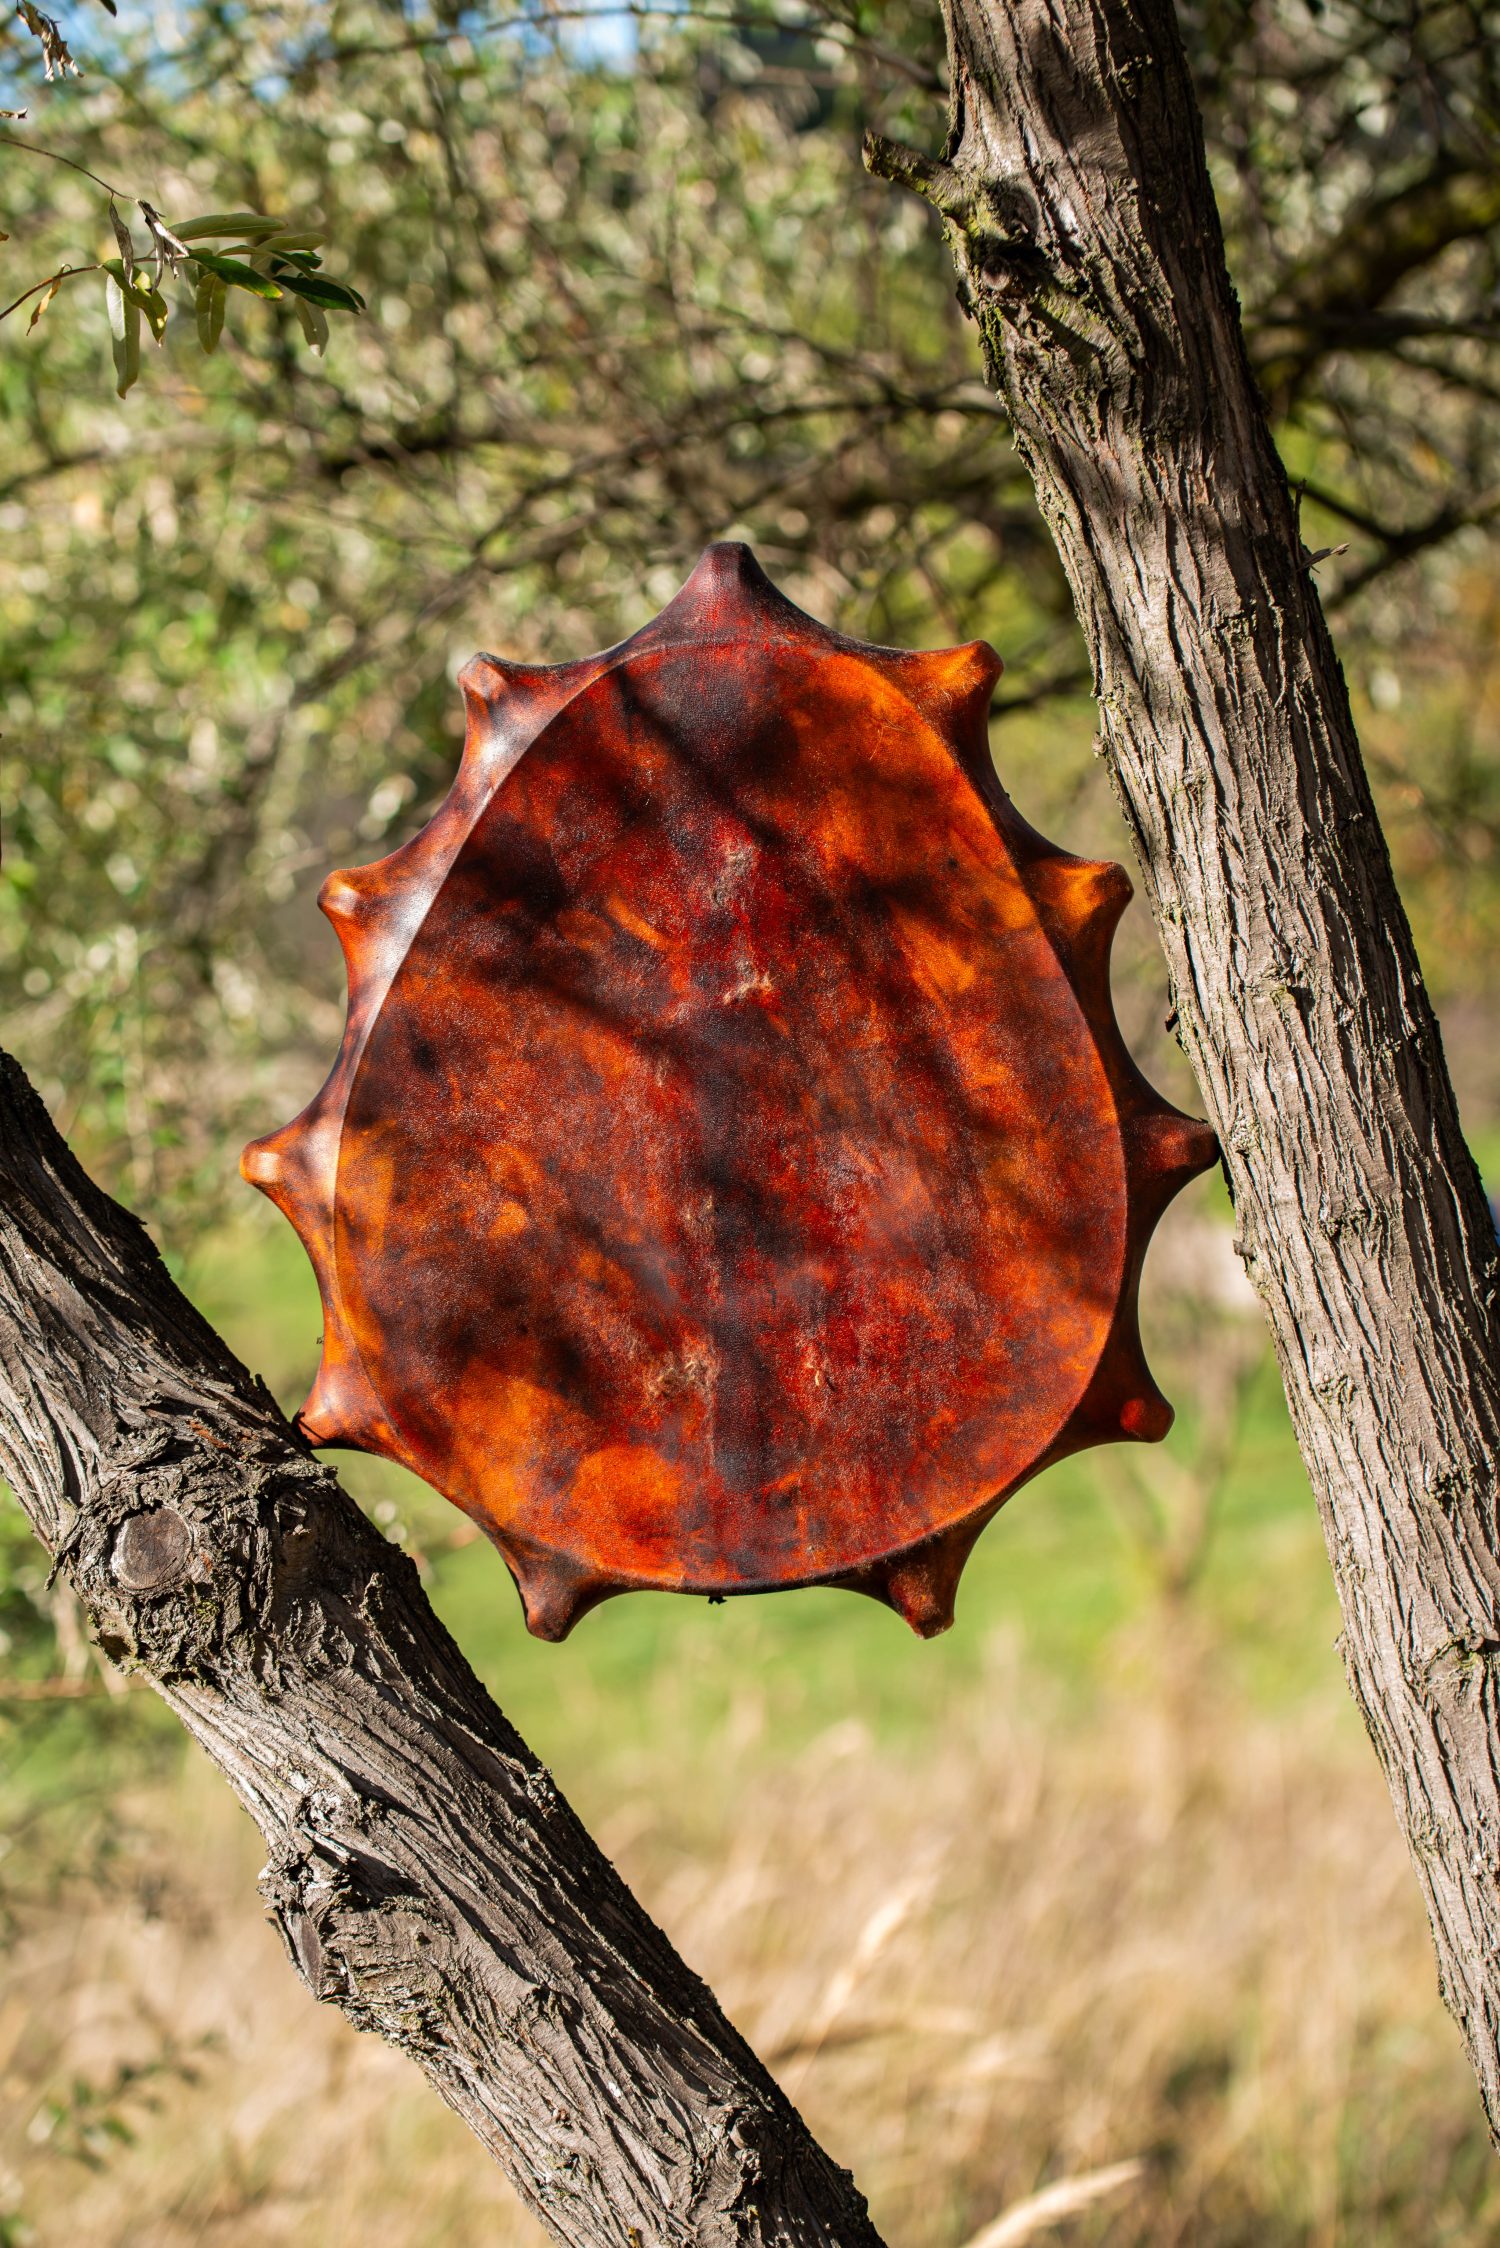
(426, 1875)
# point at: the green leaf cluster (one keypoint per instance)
(261, 256)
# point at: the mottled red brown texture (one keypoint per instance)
(732, 1176)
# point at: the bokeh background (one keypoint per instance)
(1102, 1892)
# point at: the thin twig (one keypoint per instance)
(8, 140)
(65, 273)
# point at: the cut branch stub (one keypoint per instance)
(732, 1176)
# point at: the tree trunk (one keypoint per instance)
(1077, 203)
(426, 1875)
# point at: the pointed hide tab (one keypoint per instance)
(1165, 1149)
(483, 682)
(726, 570)
(554, 1591)
(279, 1166)
(342, 898)
(1081, 900)
(959, 683)
(727, 594)
(1122, 1404)
(1146, 1417)
(953, 688)
(921, 1584)
(922, 1587)
(262, 1164)
(341, 1408)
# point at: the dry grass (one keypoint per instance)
(1170, 1940)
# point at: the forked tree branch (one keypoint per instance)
(425, 1873)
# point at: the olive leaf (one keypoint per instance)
(266, 257)
(334, 294)
(125, 332)
(156, 309)
(282, 244)
(209, 303)
(235, 224)
(122, 236)
(147, 299)
(45, 298)
(237, 274)
(314, 324)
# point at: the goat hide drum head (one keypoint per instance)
(732, 1175)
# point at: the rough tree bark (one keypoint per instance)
(1077, 203)
(426, 1875)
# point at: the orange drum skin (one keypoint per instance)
(732, 1176)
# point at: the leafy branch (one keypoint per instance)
(264, 257)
